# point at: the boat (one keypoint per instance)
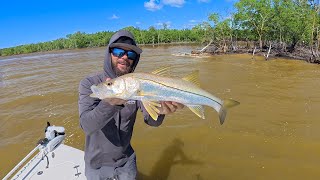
(50, 159)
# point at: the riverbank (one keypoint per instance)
(269, 52)
(239, 47)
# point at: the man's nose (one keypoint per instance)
(125, 56)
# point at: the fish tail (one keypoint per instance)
(226, 104)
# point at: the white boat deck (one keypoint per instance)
(65, 162)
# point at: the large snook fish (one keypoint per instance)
(152, 88)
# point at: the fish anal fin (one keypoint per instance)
(198, 110)
(152, 109)
(193, 77)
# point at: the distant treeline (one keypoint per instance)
(286, 23)
(84, 40)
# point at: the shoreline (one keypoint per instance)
(300, 53)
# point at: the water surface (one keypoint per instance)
(273, 134)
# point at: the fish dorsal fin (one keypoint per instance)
(163, 71)
(152, 109)
(193, 77)
(198, 110)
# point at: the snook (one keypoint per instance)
(152, 88)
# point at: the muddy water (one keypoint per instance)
(273, 134)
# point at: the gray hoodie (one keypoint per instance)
(108, 129)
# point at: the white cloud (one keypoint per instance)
(162, 24)
(152, 5)
(114, 17)
(204, 1)
(174, 3)
(191, 23)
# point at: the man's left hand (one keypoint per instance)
(168, 107)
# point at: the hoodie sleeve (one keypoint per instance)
(148, 119)
(94, 113)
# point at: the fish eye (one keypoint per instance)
(109, 83)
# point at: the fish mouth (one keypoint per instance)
(95, 92)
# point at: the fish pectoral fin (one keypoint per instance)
(119, 94)
(152, 109)
(198, 110)
(155, 104)
(193, 77)
(143, 94)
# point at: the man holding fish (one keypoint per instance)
(109, 101)
(108, 122)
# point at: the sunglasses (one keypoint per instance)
(118, 52)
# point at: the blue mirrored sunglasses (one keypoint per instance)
(118, 52)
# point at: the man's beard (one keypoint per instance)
(118, 71)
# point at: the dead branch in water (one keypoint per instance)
(254, 50)
(267, 56)
(201, 51)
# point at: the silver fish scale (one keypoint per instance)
(157, 88)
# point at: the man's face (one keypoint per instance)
(121, 65)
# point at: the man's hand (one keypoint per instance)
(168, 107)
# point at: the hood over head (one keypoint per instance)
(121, 38)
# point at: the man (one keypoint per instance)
(108, 123)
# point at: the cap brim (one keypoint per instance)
(129, 46)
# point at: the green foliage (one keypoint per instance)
(254, 15)
(100, 39)
(285, 21)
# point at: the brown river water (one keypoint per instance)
(273, 134)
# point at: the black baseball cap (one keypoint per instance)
(126, 42)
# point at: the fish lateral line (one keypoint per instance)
(155, 82)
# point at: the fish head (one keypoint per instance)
(108, 89)
(122, 88)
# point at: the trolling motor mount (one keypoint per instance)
(54, 135)
(53, 131)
